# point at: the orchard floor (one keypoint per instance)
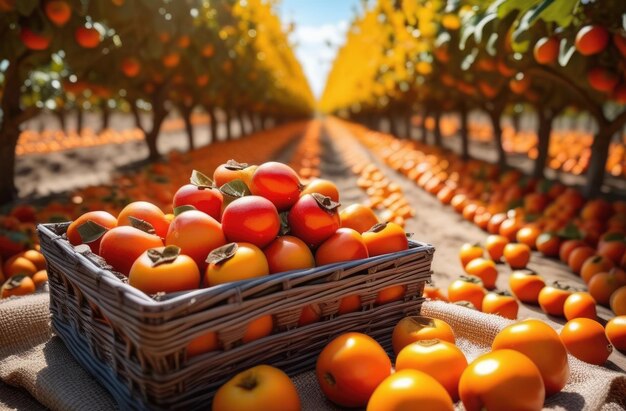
(433, 223)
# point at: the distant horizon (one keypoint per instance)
(320, 29)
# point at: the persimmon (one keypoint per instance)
(579, 304)
(526, 286)
(259, 388)
(288, 253)
(34, 41)
(438, 358)
(171, 60)
(567, 247)
(528, 235)
(434, 293)
(324, 187)
(17, 285)
(615, 331)
(258, 328)
(602, 79)
(552, 298)
(310, 314)
(546, 50)
(390, 294)
(19, 265)
(586, 340)
(385, 238)
(206, 199)
(358, 217)
(122, 245)
(614, 249)
(542, 345)
(100, 222)
(349, 304)
(345, 245)
(234, 262)
(591, 39)
(578, 257)
(350, 368)
(487, 383)
(277, 182)
(144, 211)
(36, 258)
(618, 301)
(594, 265)
(165, 270)
(516, 256)
(548, 244)
(233, 170)
(494, 244)
(202, 344)
(467, 288)
(500, 303)
(314, 218)
(252, 219)
(58, 12)
(130, 67)
(483, 269)
(469, 252)
(87, 37)
(410, 389)
(603, 284)
(417, 328)
(197, 234)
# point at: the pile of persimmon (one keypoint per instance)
(589, 235)
(245, 222)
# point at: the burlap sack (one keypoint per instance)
(37, 371)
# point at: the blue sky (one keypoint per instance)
(318, 23)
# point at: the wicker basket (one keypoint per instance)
(136, 345)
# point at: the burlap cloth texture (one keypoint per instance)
(37, 371)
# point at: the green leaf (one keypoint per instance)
(163, 255)
(200, 180)
(234, 190)
(181, 209)
(90, 231)
(223, 253)
(570, 232)
(284, 223)
(142, 225)
(26, 7)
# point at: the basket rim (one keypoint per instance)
(172, 300)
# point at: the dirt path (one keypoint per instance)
(442, 227)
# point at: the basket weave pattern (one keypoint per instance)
(135, 345)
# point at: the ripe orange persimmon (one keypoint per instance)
(467, 288)
(542, 345)
(567, 247)
(87, 37)
(203, 343)
(234, 262)
(501, 303)
(122, 245)
(578, 257)
(578, 305)
(358, 217)
(349, 304)
(548, 244)
(483, 269)
(19, 265)
(206, 199)
(34, 41)
(438, 358)
(197, 234)
(258, 328)
(101, 221)
(350, 368)
(164, 270)
(288, 253)
(256, 389)
(494, 244)
(586, 340)
(345, 245)
(526, 286)
(591, 39)
(252, 219)
(410, 389)
(417, 328)
(618, 301)
(546, 50)
(144, 211)
(58, 12)
(131, 67)
(324, 187)
(17, 285)
(602, 285)
(615, 331)
(594, 265)
(469, 252)
(516, 255)
(390, 294)
(39, 278)
(233, 170)
(310, 314)
(385, 238)
(277, 182)
(314, 218)
(528, 235)
(552, 298)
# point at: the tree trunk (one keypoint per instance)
(229, 130)
(158, 116)
(61, 116)
(80, 118)
(543, 135)
(597, 163)
(247, 122)
(464, 134)
(516, 120)
(242, 124)
(106, 117)
(393, 125)
(212, 123)
(437, 130)
(497, 137)
(9, 134)
(424, 130)
(186, 114)
(136, 116)
(408, 125)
